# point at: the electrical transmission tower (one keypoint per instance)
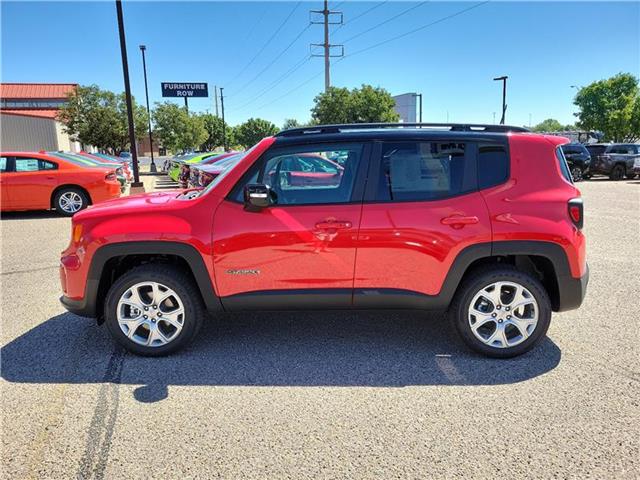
(326, 21)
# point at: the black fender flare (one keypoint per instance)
(88, 306)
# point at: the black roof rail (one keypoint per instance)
(452, 127)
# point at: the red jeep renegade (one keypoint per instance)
(482, 221)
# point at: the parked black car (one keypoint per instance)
(578, 159)
(614, 159)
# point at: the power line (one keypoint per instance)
(272, 62)
(266, 43)
(455, 14)
(423, 27)
(291, 70)
(349, 22)
(386, 21)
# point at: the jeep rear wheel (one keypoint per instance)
(151, 310)
(617, 172)
(502, 312)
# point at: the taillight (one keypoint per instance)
(111, 177)
(576, 212)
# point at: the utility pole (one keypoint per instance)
(215, 96)
(186, 104)
(224, 132)
(326, 13)
(127, 91)
(152, 167)
(504, 96)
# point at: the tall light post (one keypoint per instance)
(137, 184)
(504, 96)
(152, 168)
(224, 133)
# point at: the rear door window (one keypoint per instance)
(418, 171)
(4, 164)
(27, 165)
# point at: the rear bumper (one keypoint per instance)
(572, 291)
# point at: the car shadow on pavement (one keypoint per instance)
(30, 215)
(370, 349)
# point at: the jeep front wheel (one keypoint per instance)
(502, 312)
(151, 310)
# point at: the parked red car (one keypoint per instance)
(38, 181)
(481, 220)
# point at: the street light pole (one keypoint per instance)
(224, 133)
(127, 91)
(504, 96)
(152, 168)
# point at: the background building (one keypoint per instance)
(28, 117)
(406, 106)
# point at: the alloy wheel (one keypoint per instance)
(503, 314)
(576, 173)
(70, 202)
(150, 314)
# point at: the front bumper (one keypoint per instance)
(571, 291)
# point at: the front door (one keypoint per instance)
(302, 248)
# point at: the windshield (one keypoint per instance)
(227, 164)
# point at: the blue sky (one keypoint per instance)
(544, 47)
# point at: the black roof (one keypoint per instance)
(393, 131)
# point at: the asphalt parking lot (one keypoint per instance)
(323, 395)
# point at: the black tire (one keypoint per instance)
(171, 277)
(631, 176)
(65, 192)
(482, 278)
(617, 172)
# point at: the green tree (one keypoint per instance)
(213, 126)
(333, 106)
(98, 117)
(366, 104)
(177, 129)
(253, 130)
(290, 123)
(611, 106)
(548, 125)
(373, 104)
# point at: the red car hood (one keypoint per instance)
(122, 205)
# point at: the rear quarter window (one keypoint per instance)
(493, 165)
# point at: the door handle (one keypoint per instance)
(459, 220)
(333, 225)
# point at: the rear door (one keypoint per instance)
(302, 248)
(421, 209)
(31, 182)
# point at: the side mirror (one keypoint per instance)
(257, 196)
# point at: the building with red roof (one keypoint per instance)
(28, 114)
